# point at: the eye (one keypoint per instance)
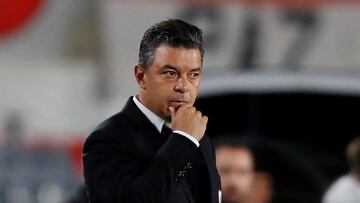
(194, 75)
(170, 73)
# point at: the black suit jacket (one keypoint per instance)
(127, 160)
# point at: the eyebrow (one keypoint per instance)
(168, 66)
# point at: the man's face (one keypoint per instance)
(236, 169)
(173, 79)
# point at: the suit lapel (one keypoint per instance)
(143, 125)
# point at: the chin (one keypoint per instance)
(166, 116)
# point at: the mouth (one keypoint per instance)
(177, 103)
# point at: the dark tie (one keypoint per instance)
(166, 131)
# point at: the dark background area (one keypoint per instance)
(297, 137)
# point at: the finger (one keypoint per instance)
(205, 120)
(186, 106)
(172, 112)
(183, 107)
(192, 109)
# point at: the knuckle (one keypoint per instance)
(205, 119)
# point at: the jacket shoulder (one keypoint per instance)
(113, 128)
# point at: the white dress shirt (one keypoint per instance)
(159, 122)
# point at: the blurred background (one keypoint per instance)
(285, 73)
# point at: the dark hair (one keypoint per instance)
(353, 154)
(172, 32)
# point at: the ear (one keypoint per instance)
(140, 76)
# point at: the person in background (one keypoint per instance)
(240, 182)
(155, 150)
(262, 188)
(346, 189)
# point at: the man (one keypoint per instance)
(347, 188)
(131, 157)
(235, 163)
(240, 182)
(262, 188)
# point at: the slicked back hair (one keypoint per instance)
(174, 33)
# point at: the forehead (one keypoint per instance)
(235, 155)
(241, 151)
(177, 56)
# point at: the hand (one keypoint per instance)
(189, 120)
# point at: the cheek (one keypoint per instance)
(195, 85)
(194, 92)
(225, 182)
(158, 88)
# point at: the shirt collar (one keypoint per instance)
(156, 120)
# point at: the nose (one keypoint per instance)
(181, 85)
